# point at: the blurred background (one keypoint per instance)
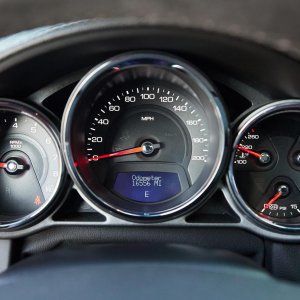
(275, 18)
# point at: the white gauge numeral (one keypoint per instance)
(253, 136)
(130, 99)
(247, 146)
(166, 99)
(97, 139)
(114, 108)
(199, 140)
(103, 121)
(180, 108)
(148, 96)
(192, 122)
(196, 157)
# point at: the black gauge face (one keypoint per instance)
(146, 142)
(266, 166)
(30, 164)
(147, 121)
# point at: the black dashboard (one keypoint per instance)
(152, 134)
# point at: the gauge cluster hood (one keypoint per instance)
(272, 23)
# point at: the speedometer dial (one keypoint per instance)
(148, 133)
(145, 136)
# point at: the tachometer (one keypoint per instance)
(31, 168)
(144, 135)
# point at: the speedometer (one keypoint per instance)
(144, 136)
(151, 132)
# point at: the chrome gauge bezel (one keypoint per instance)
(18, 107)
(283, 106)
(122, 62)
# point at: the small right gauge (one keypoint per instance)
(264, 172)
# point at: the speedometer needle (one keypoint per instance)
(146, 148)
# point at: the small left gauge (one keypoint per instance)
(31, 167)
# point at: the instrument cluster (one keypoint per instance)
(146, 138)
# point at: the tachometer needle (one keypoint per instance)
(3, 165)
(248, 151)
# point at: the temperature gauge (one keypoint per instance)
(264, 171)
(255, 151)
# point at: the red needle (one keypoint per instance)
(3, 165)
(119, 153)
(248, 151)
(275, 198)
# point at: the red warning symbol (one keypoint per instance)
(37, 200)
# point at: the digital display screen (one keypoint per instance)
(147, 186)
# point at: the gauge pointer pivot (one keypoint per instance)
(12, 166)
(263, 157)
(283, 190)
